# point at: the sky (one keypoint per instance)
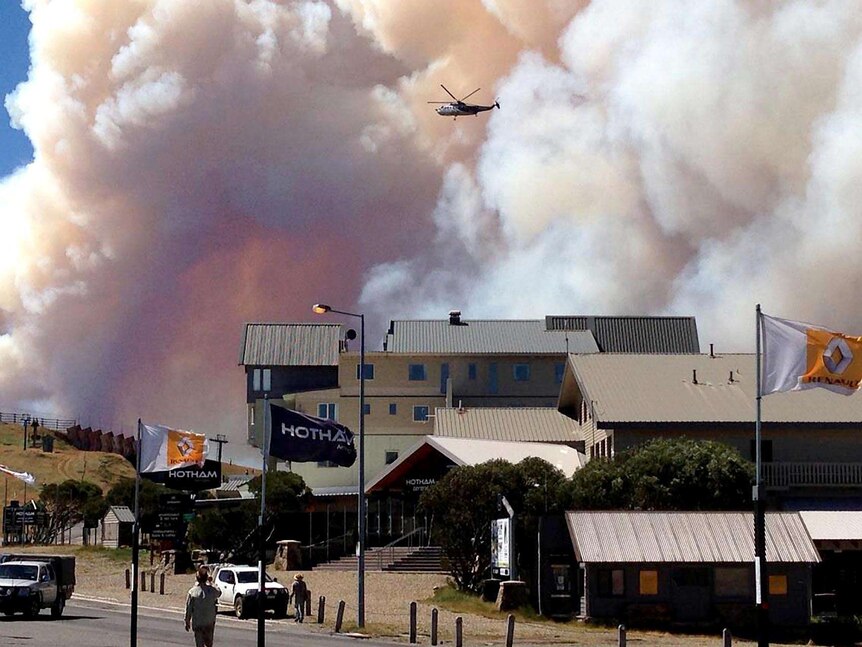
(200, 165)
(15, 149)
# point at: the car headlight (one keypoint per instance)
(23, 591)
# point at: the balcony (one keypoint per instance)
(787, 475)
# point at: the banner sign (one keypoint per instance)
(175, 512)
(302, 438)
(192, 478)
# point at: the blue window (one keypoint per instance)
(471, 371)
(369, 371)
(444, 377)
(393, 408)
(493, 382)
(367, 409)
(420, 413)
(521, 372)
(416, 373)
(327, 410)
(559, 371)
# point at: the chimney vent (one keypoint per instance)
(694, 376)
(731, 378)
(454, 317)
(711, 351)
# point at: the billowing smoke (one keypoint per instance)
(198, 165)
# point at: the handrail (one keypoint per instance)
(55, 424)
(389, 549)
(812, 474)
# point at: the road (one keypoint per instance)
(93, 624)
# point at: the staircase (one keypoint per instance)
(425, 559)
(402, 559)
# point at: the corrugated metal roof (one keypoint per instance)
(634, 334)
(536, 424)
(335, 490)
(234, 484)
(662, 388)
(706, 537)
(511, 336)
(290, 344)
(833, 525)
(123, 513)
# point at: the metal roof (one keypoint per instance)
(636, 388)
(536, 424)
(335, 490)
(634, 334)
(833, 525)
(705, 537)
(509, 336)
(123, 513)
(290, 344)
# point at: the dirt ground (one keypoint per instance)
(388, 597)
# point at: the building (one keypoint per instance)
(837, 580)
(117, 525)
(687, 568)
(810, 438)
(429, 364)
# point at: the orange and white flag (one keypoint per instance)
(165, 449)
(800, 356)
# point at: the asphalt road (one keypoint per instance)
(93, 624)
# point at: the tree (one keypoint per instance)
(68, 503)
(664, 474)
(463, 503)
(123, 493)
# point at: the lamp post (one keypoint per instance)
(320, 308)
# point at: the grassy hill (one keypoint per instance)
(65, 462)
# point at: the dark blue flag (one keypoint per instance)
(302, 438)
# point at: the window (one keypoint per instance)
(691, 577)
(369, 371)
(444, 376)
(255, 380)
(366, 409)
(648, 583)
(226, 576)
(493, 384)
(261, 379)
(559, 371)
(777, 585)
(416, 373)
(267, 379)
(521, 372)
(327, 410)
(420, 413)
(393, 409)
(471, 371)
(611, 582)
(732, 582)
(391, 457)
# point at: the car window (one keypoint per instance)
(226, 576)
(18, 572)
(248, 577)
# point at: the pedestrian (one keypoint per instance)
(201, 607)
(299, 592)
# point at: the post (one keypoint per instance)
(339, 616)
(308, 602)
(459, 632)
(261, 539)
(143, 580)
(152, 581)
(360, 579)
(621, 636)
(133, 622)
(412, 622)
(321, 609)
(128, 583)
(760, 574)
(726, 638)
(434, 615)
(510, 630)
(162, 584)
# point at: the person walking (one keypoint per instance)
(201, 608)
(299, 592)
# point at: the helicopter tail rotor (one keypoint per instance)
(497, 104)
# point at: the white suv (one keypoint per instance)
(238, 589)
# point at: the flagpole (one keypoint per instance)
(261, 594)
(133, 625)
(760, 577)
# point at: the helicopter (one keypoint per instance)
(458, 108)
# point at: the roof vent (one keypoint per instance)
(455, 318)
(694, 376)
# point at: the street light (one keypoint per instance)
(320, 308)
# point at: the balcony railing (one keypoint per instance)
(782, 475)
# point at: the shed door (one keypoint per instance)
(690, 592)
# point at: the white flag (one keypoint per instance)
(165, 449)
(28, 478)
(800, 356)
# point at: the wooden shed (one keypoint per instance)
(117, 526)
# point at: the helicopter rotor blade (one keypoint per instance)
(471, 94)
(449, 93)
(445, 102)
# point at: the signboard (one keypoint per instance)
(500, 546)
(191, 479)
(175, 511)
(12, 519)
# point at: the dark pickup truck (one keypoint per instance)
(30, 583)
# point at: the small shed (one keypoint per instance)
(117, 526)
(691, 568)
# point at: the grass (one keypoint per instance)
(451, 599)
(119, 555)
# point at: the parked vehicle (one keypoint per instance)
(239, 590)
(30, 583)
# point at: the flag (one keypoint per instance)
(800, 356)
(28, 478)
(167, 449)
(302, 438)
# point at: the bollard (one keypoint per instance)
(434, 626)
(143, 581)
(308, 602)
(459, 632)
(726, 638)
(162, 584)
(621, 632)
(510, 630)
(339, 616)
(152, 581)
(321, 609)
(412, 622)
(128, 579)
